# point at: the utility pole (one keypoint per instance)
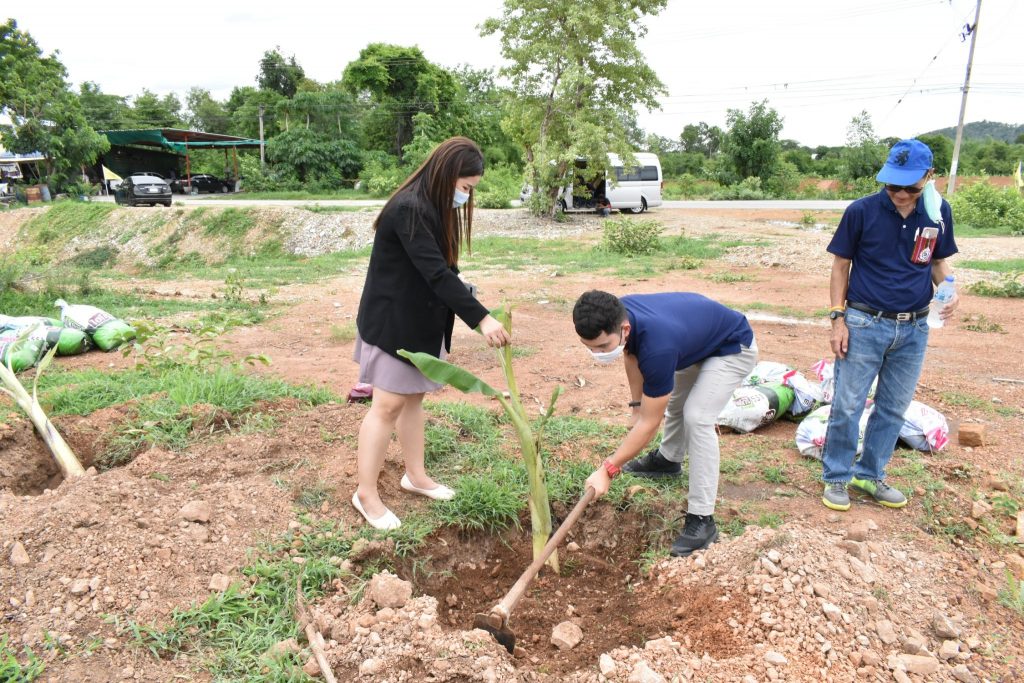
(950, 188)
(262, 158)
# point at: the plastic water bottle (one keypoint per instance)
(943, 295)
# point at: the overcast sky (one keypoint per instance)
(818, 62)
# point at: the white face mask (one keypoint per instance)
(605, 357)
(460, 198)
(932, 201)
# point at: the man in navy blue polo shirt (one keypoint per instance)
(888, 254)
(684, 354)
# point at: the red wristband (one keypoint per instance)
(611, 468)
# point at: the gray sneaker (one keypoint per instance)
(835, 496)
(880, 491)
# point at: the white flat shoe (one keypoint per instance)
(439, 492)
(385, 522)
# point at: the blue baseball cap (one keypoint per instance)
(908, 161)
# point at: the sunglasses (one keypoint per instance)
(909, 189)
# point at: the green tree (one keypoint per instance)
(279, 74)
(152, 111)
(942, 151)
(46, 117)
(309, 155)
(864, 155)
(397, 83)
(103, 111)
(243, 106)
(701, 138)
(574, 68)
(206, 113)
(752, 142)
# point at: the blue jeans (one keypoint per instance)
(894, 352)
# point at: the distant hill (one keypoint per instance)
(982, 130)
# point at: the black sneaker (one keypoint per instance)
(652, 466)
(698, 533)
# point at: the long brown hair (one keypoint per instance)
(434, 183)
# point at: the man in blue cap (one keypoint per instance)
(888, 254)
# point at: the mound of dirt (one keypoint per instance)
(794, 604)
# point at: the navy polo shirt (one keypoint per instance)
(674, 330)
(880, 242)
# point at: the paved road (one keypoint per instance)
(758, 205)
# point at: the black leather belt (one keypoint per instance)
(903, 317)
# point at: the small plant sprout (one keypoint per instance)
(529, 437)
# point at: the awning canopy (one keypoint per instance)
(175, 139)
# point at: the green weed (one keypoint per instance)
(1012, 595)
(980, 323)
(344, 333)
(725, 277)
(1009, 286)
(28, 669)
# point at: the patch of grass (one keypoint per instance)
(25, 670)
(749, 515)
(485, 503)
(1012, 595)
(1013, 265)
(340, 193)
(332, 208)
(775, 474)
(584, 434)
(65, 220)
(956, 398)
(95, 259)
(725, 277)
(120, 304)
(523, 351)
(980, 323)
(343, 333)
(570, 256)
(313, 496)
(163, 412)
(233, 224)
(1009, 286)
(234, 629)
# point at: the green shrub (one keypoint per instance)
(689, 186)
(382, 175)
(748, 188)
(1010, 286)
(985, 206)
(631, 237)
(498, 187)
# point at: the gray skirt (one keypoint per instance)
(384, 371)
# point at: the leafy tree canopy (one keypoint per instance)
(278, 74)
(574, 68)
(46, 116)
(752, 143)
(398, 82)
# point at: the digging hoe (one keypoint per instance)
(496, 621)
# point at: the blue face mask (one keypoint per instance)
(932, 201)
(460, 198)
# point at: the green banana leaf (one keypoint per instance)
(443, 372)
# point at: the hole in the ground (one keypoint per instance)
(27, 467)
(600, 588)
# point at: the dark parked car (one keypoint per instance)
(144, 189)
(202, 182)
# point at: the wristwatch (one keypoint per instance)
(837, 313)
(611, 468)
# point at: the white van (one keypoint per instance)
(635, 190)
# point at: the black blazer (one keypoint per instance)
(411, 295)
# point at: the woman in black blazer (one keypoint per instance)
(410, 299)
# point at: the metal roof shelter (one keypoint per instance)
(180, 141)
